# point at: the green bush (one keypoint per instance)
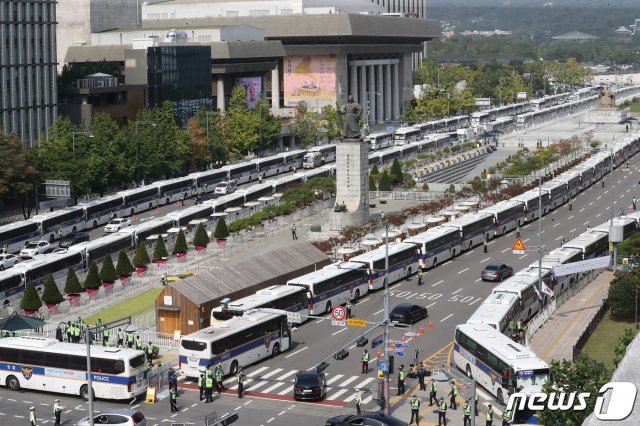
(299, 197)
(396, 172)
(201, 238)
(446, 150)
(160, 251)
(372, 183)
(51, 293)
(374, 170)
(385, 182)
(30, 298)
(92, 281)
(425, 187)
(181, 243)
(221, 232)
(621, 347)
(141, 258)
(72, 285)
(124, 268)
(108, 271)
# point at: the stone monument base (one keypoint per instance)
(338, 220)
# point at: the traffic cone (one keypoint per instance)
(379, 354)
(430, 325)
(403, 338)
(421, 329)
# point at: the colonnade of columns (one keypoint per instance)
(375, 84)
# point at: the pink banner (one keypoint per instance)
(311, 79)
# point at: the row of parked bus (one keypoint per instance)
(318, 292)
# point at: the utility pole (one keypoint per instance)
(87, 338)
(386, 316)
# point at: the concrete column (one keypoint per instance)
(380, 90)
(353, 89)
(387, 92)
(363, 86)
(371, 96)
(396, 92)
(220, 93)
(275, 88)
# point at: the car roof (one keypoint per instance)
(404, 306)
(308, 373)
(495, 264)
(123, 411)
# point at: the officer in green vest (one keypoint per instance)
(208, 388)
(173, 400)
(358, 400)
(433, 389)
(240, 383)
(138, 343)
(208, 372)
(32, 416)
(415, 410)
(201, 385)
(57, 412)
(120, 337)
(219, 378)
(348, 306)
(401, 375)
(466, 410)
(365, 362)
(76, 333)
(69, 332)
(442, 412)
(105, 336)
(512, 325)
(453, 393)
(506, 418)
(130, 340)
(475, 403)
(149, 351)
(489, 416)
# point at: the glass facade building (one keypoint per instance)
(28, 93)
(180, 74)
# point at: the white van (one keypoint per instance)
(312, 159)
(226, 187)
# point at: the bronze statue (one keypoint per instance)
(352, 112)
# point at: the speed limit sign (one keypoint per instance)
(339, 313)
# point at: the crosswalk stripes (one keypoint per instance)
(334, 378)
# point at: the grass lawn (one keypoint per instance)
(635, 107)
(132, 306)
(604, 339)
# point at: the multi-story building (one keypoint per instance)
(27, 67)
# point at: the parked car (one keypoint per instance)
(496, 272)
(116, 416)
(309, 385)
(54, 250)
(224, 188)
(7, 261)
(408, 313)
(117, 224)
(32, 248)
(366, 419)
(73, 239)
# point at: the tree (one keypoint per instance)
(622, 293)
(108, 272)
(299, 197)
(207, 123)
(30, 298)
(385, 182)
(330, 121)
(18, 172)
(72, 285)
(396, 172)
(221, 232)
(141, 257)
(124, 268)
(200, 153)
(180, 245)
(159, 250)
(268, 127)
(372, 183)
(306, 127)
(621, 347)
(51, 294)
(586, 375)
(374, 170)
(239, 126)
(200, 238)
(92, 280)
(324, 185)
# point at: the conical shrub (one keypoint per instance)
(30, 298)
(124, 268)
(201, 239)
(221, 232)
(51, 294)
(181, 243)
(108, 272)
(92, 281)
(160, 251)
(72, 285)
(141, 258)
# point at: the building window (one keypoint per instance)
(258, 13)
(232, 13)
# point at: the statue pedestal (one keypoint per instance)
(352, 185)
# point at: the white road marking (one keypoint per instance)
(271, 419)
(432, 304)
(599, 196)
(281, 413)
(557, 224)
(287, 390)
(257, 385)
(337, 394)
(349, 380)
(362, 301)
(464, 270)
(482, 261)
(478, 280)
(271, 388)
(456, 291)
(255, 372)
(570, 217)
(376, 313)
(446, 318)
(507, 249)
(334, 378)
(524, 241)
(285, 375)
(297, 352)
(439, 282)
(581, 210)
(598, 215)
(339, 331)
(522, 257)
(248, 402)
(482, 394)
(352, 346)
(586, 223)
(558, 238)
(272, 373)
(591, 203)
(573, 230)
(469, 252)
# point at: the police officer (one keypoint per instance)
(240, 383)
(130, 340)
(442, 412)
(120, 337)
(421, 373)
(138, 343)
(512, 325)
(173, 399)
(219, 378)
(570, 204)
(634, 201)
(57, 412)
(433, 389)
(453, 393)
(365, 362)
(208, 388)
(358, 400)
(466, 410)
(485, 245)
(475, 403)
(506, 417)
(149, 351)
(294, 235)
(32, 416)
(562, 241)
(69, 332)
(173, 379)
(489, 416)
(110, 216)
(76, 333)
(415, 410)
(401, 376)
(518, 230)
(201, 385)
(105, 336)
(420, 276)
(348, 307)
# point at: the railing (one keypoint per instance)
(404, 195)
(582, 340)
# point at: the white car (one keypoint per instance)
(117, 224)
(33, 248)
(224, 188)
(7, 261)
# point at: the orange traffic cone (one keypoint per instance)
(421, 330)
(403, 338)
(379, 354)
(430, 325)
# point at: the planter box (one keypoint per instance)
(221, 243)
(160, 262)
(93, 293)
(181, 255)
(201, 248)
(74, 300)
(53, 308)
(29, 313)
(106, 284)
(141, 270)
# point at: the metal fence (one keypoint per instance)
(405, 195)
(582, 340)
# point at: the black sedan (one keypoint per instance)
(365, 418)
(309, 385)
(73, 239)
(496, 272)
(408, 313)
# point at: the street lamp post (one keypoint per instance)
(386, 316)
(144, 123)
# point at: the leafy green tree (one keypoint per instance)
(374, 170)
(622, 293)
(206, 124)
(30, 298)
(325, 185)
(124, 268)
(201, 238)
(330, 121)
(108, 272)
(396, 172)
(240, 128)
(92, 280)
(72, 285)
(105, 153)
(306, 127)
(586, 375)
(141, 257)
(268, 126)
(18, 172)
(372, 182)
(221, 232)
(385, 182)
(51, 293)
(621, 347)
(180, 245)
(425, 187)
(160, 250)
(299, 197)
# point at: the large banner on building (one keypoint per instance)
(253, 87)
(311, 79)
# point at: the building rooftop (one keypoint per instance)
(575, 35)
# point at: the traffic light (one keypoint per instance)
(362, 342)
(341, 354)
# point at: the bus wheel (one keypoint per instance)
(356, 295)
(74, 230)
(468, 372)
(529, 315)
(499, 395)
(327, 309)
(131, 212)
(276, 350)
(95, 224)
(504, 230)
(408, 274)
(51, 239)
(435, 261)
(84, 393)
(13, 383)
(233, 370)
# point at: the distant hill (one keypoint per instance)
(579, 4)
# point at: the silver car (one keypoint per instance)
(116, 416)
(7, 261)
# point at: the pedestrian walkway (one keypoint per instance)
(556, 338)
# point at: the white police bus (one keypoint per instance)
(405, 135)
(97, 212)
(436, 245)
(58, 223)
(506, 215)
(235, 343)
(45, 364)
(403, 261)
(378, 141)
(497, 311)
(14, 236)
(474, 228)
(524, 284)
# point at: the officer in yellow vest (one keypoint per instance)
(453, 393)
(358, 400)
(32, 416)
(506, 418)
(105, 336)
(433, 389)
(442, 412)
(149, 352)
(201, 386)
(415, 410)
(489, 416)
(120, 337)
(76, 333)
(208, 388)
(365, 362)
(401, 376)
(130, 340)
(240, 383)
(138, 343)
(466, 410)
